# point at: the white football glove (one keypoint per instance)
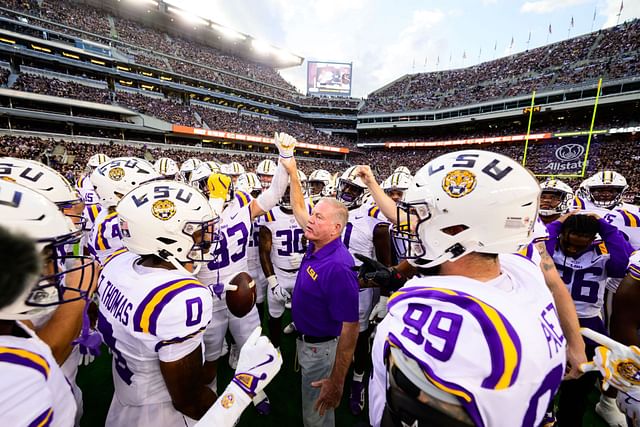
(278, 292)
(258, 363)
(618, 364)
(379, 310)
(285, 143)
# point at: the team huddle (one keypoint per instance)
(458, 296)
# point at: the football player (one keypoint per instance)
(112, 180)
(238, 212)
(366, 233)
(556, 200)
(436, 353)
(317, 182)
(39, 280)
(234, 170)
(396, 185)
(265, 171)
(167, 167)
(153, 312)
(585, 264)
(88, 194)
(187, 167)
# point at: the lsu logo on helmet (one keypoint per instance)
(458, 183)
(116, 174)
(163, 209)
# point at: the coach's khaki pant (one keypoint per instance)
(316, 362)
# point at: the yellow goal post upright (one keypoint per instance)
(590, 134)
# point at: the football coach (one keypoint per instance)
(324, 305)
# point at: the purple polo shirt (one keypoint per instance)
(326, 291)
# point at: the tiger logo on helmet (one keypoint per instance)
(458, 183)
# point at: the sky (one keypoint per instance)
(388, 39)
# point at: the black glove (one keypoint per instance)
(376, 274)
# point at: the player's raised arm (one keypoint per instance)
(384, 202)
(297, 197)
(270, 197)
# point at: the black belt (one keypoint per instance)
(314, 340)
(295, 270)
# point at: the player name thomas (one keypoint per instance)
(113, 300)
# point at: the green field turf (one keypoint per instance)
(284, 393)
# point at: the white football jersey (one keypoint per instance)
(497, 346)
(105, 236)
(540, 234)
(86, 190)
(358, 233)
(148, 315)
(585, 277)
(34, 390)
(253, 259)
(230, 254)
(626, 218)
(287, 245)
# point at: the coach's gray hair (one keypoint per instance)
(341, 214)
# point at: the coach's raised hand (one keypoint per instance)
(285, 143)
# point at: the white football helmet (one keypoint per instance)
(96, 160)
(114, 179)
(166, 167)
(402, 169)
(25, 211)
(266, 170)
(234, 169)
(351, 188)
(563, 191)
(171, 220)
(41, 178)
(187, 168)
(330, 189)
(316, 183)
(199, 176)
(604, 189)
(467, 201)
(249, 182)
(397, 181)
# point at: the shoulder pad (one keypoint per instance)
(25, 358)
(269, 217)
(145, 319)
(578, 202)
(243, 198)
(601, 249)
(630, 219)
(374, 212)
(114, 255)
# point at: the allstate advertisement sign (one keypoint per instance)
(567, 157)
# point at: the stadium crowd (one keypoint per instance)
(170, 52)
(70, 158)
(610, 53)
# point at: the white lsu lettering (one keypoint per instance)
(551, 329)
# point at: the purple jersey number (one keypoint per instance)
(292, 241)
(575, 278)
(120, 362)
(221, 256)
(443, 325)
(549, 387)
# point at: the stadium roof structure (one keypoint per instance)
(174, 20)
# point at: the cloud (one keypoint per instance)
(630, 10)
(546, 6)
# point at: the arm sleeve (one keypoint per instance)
(270, 197)
(554, 232)
(618, 248)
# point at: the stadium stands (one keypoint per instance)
(612, 53)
